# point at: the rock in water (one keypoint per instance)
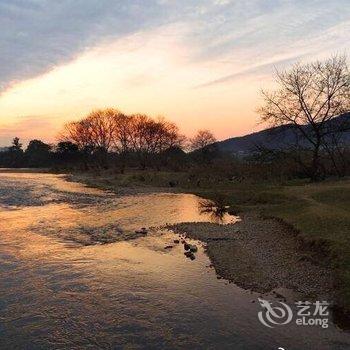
(190, 255)
(193, 248)
(143, 231)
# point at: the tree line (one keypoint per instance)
(308, 99)
(108, 137)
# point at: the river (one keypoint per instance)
(61, 287)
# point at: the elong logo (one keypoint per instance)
(274, 315)
(308, 314)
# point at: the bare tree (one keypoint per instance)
(202, 139)
(97, 130)
(77, 133)
(309, 97)
(149, 136)
(122, 133)
(102, 127)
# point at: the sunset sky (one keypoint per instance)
(198, 63)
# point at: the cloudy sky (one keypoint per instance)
(199, 63)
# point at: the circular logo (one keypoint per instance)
(278, 315)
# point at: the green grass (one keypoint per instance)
(319, 212)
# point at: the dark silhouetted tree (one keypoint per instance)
(38, 154)
(15, 156)
(67, 152)
(312, 95)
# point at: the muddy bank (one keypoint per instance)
(262, 255)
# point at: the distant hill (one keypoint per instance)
(273, 138)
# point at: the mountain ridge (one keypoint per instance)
(279, 137)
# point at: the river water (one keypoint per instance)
(61, 288)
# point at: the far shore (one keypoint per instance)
(25, 170)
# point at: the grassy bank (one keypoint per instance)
(319, 213)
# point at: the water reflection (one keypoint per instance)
(74, 212)
(56, 293)
(216, 209)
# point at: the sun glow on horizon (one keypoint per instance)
(152, 73)
(197, 80)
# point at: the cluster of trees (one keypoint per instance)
(37, 154)
(110, 136)
(137, 136)
(112, 131)
(106, 138)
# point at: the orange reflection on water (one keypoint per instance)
(58, 293)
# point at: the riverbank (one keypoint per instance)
(311, 223)
(262, 255)
(316, 213)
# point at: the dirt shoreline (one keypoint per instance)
(262, 255)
